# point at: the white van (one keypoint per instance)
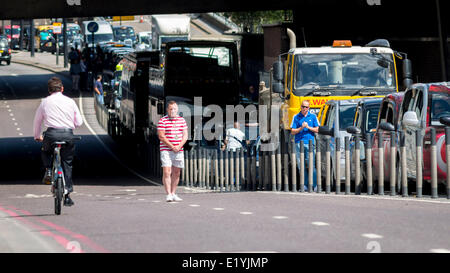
(103, 35)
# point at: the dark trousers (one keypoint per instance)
(67, 151)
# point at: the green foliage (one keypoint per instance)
(252, 21)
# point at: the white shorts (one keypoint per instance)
(169, 159)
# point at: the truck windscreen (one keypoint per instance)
(99, 38)
(343, 71)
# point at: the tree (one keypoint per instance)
(252, 21)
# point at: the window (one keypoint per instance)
(289, 68)
(371, 119)
(440, 106)
(346, 116)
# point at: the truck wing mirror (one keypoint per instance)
(445, 120)
(387, 126)
(277, 87)
(278, 71)
(407, 73)
(324, 130)
(410, 119)
(353, 130)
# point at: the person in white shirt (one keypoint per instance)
(60, 116)
(234, 138)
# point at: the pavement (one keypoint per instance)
(43, 60)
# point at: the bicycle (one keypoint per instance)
(58, 181)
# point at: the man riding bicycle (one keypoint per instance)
(60, 115)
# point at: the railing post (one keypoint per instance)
(369, 164)
(357, 165)
(327, 166)
(419, 157)
(404, 166)
(347, 164)
(380, 165)
(392, 177)
(310, 167)
(433, 155)
(337, 161)
(302, 166)
(318, 167)
(293, 165)
(447, 146)
(279, 178)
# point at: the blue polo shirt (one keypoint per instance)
(305, 134)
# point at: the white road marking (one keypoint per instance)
(279, 217)
(20, 134)
(128, 190)
(156, 201)
(372, 236)
(245, 212)
(18, 129)
(11, 114)
(141, 199)
(320, 223)
(194, 205)
(440, 250)
(218, 209)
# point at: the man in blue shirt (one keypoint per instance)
(98, 88)
(303, 126)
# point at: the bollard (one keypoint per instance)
(285, 170)
(392, 176)
(347, 165)
(380, 165)
(192, 168)
(369, 164)
(302, 167)
(279, 179)
(204, 168)
(226, 168)
(186, 169)
(267, 173)
(357, 165)
(223, 173)
(433, 155)
(273, 170)
(337, 161)
(310, 167)
(253, 169)
(216, 169)
(403, 161)
(327, 166)
(293, 165)
(318, 167)
(237, 163)
(260, 170)
(249, 171)
(208, 169)
(447, 146)
(200, 167)
(232, 172)
(419, 176)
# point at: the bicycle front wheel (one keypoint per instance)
(59, 192)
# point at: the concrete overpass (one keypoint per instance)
(419, 28)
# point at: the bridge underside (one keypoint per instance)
(419, 28)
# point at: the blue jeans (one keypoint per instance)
(306, 150)
(99, 98)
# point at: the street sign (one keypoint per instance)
(92, 27)
(57, 28)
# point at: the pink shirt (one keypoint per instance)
(173, 129)
(57, 111)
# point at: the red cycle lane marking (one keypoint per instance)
(64, 230)
(59, 239)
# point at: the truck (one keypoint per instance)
(337, 72)
(169, 28)
(103, 35)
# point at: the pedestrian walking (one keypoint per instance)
(173, 134)
(75, 68)
(303, 126)
(98, 89)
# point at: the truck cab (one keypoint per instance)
(338, 72)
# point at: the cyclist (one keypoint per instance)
(60, 115)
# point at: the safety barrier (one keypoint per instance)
(277, 170)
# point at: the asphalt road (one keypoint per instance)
(118, 211)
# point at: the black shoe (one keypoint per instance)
(47, 177)
(68, 201)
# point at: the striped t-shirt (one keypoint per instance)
(173, 128)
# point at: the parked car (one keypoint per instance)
(388, 121)
(5, 50)
(365, 122)
(122, 33)
(335, 116)
(422, 108)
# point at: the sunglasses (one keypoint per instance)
(303, 106)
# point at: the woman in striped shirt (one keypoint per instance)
(173, 134)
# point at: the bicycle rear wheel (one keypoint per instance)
(59, 192)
